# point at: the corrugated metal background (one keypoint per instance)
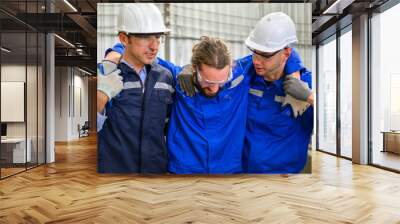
(228, 21)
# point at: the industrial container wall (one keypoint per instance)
(189, 21)
(106, 27)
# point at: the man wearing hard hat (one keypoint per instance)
(276, 141)
(132, 106)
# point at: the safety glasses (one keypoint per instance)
(214, 82)
(264, 55)
(147, 39)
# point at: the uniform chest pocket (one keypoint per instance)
(164, 96)
(228, 100)
(163, 91)
(132, 88)
(130, 96)
(160, 101)
(255, 97)
(127, 104)
(283, 122)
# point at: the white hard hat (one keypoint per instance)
(273, 32)
(141, 18)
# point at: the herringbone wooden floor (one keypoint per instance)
(70, 191)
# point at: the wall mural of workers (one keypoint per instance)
(250, 115)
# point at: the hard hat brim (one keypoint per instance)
(251, 44)
(166, 31)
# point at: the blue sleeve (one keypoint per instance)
(101, 118)
(306, 76)
(293, 63)
(118, 47)
(243, 66)
(174, 69)
(245, 61)
(307, 118)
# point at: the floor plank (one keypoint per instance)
(71, 191)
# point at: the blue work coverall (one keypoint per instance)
(131, 139)
(276, 141)
(206, 135)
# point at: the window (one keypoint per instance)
(385, 89)
(346, 94)
(22, 76)
(327, 97)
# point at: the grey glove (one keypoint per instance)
(296, 88)
(106, 67)
(108, 79)
(186, 81)
(298, 106)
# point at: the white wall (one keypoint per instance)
(12, 73)
(61, 103)
(71, 94)
(33, 127)
(80, 110)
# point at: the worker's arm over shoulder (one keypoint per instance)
(114, 54)
(293, 63)
(307, 118)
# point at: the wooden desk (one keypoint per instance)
(391, 141)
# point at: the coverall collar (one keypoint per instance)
(146, 67)
(277, 83)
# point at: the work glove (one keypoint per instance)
(108, 79)
(298, 106)
(297, 93)
(296, 88)
(186, 81)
